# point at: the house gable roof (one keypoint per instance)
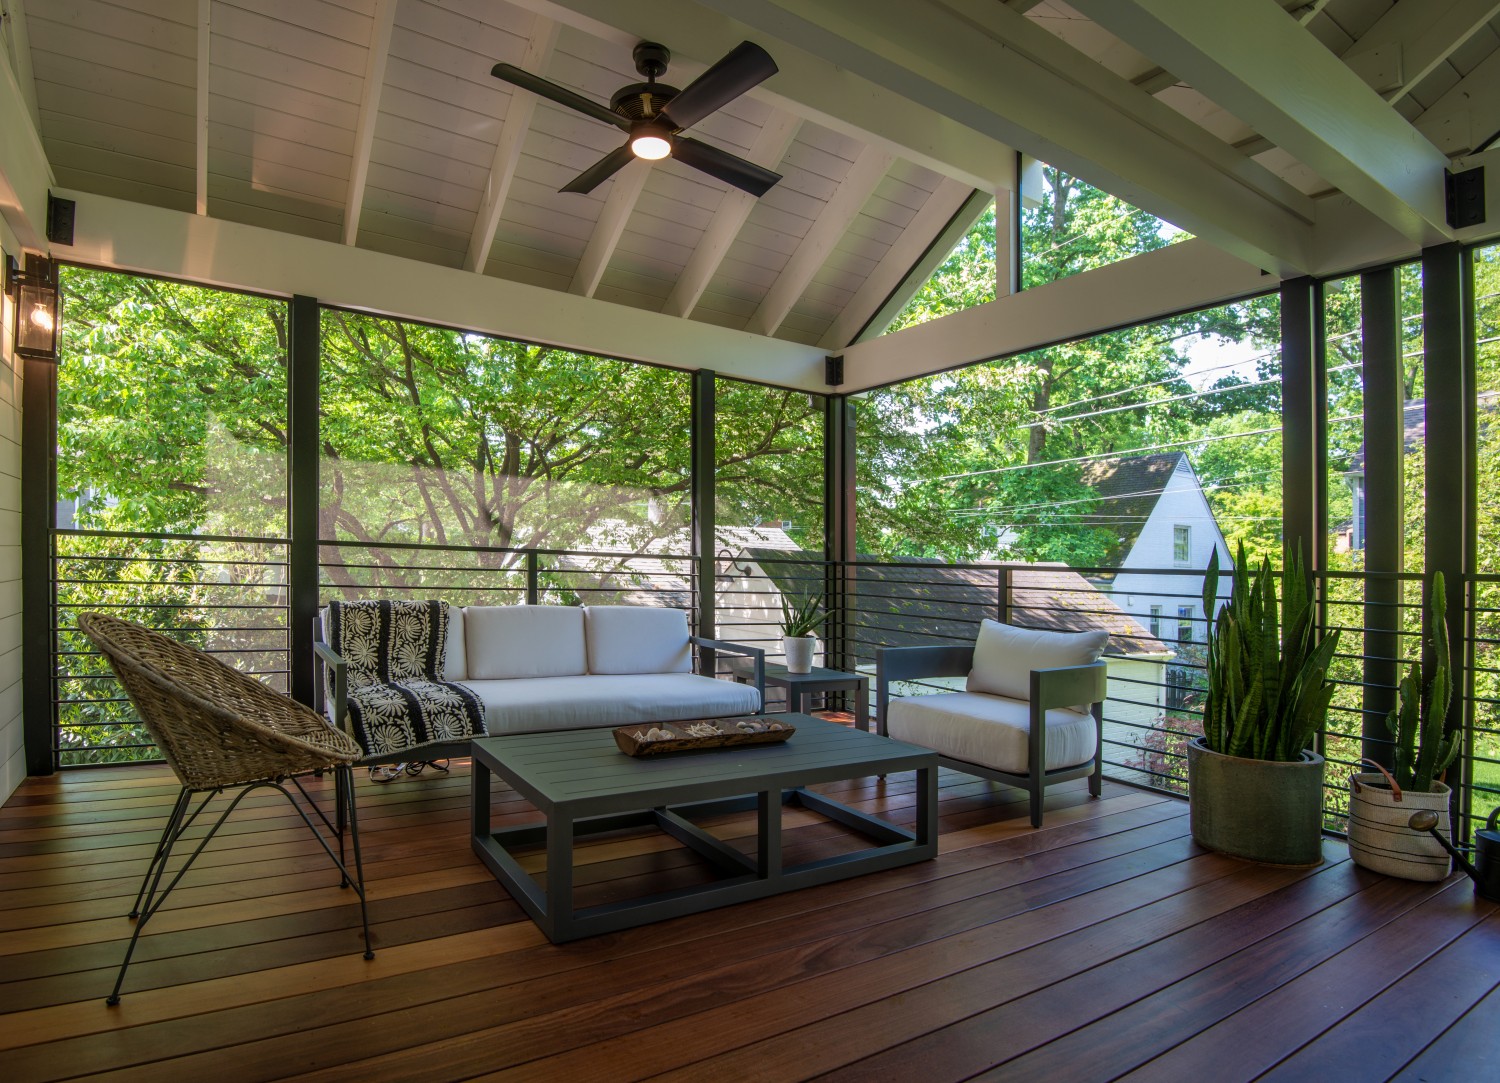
(1129, 489)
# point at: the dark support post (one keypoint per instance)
(302, 500)
(38, 493)
(1384, 484)
(838, 525)
(1448, 379)
(704, 461)
(1301, 411)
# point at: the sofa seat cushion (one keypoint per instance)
(506, 642)
(559, 703)
(988, 730)
(637, 639)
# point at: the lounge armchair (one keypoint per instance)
(1031, 713)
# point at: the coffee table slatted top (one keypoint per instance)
(584, 767)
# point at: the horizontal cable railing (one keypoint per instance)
(229, 597)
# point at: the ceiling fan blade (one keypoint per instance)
(543, 88)
(600, 171)
(729, 168)
(745, 66)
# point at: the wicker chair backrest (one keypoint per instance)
(214, 725)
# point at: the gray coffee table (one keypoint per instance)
(583, 784)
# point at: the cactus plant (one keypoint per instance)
(1268, 687)
(1423, 750)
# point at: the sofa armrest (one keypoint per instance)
(340, 669)
(757, 656)
(914, 663)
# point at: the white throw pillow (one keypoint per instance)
(637, 639)
(506, 642)
(1005, 655)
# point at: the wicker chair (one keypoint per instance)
(219, 729)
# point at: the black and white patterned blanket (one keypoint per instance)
(398, 699)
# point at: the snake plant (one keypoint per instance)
(1423, 750)
(1268, 687)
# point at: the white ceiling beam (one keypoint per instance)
(508, 149)
(833, 221)
(1188, 275)
(988, 70)
(624, 191)
(369, 113)
(200, 125)
(812, 86)
(1413, 38)
(25, 173)
(770, 147)
(1262, 67)
(20, 45)
(1469, 113)
(895, 279)
(129, 236)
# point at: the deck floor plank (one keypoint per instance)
(1104, 943)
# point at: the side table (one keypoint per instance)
(798, 685)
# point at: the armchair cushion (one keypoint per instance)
(1005, 655)
(637, 639)
(989, 730)
(506, 642)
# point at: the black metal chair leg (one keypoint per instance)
(359, 866)
(1038, 791)
(342, 787)
(163, 846)
(154, 900)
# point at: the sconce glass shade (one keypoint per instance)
(36, 322)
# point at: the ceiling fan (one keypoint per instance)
(655, 114)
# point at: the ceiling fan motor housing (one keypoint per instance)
(642, 101)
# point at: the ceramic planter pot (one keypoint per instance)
(1262, 810)
(1381, 841)
(799, 652)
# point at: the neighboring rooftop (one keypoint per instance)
(1128, 488)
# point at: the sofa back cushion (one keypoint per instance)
(508, 641)
(637, 639)
(1005, 655)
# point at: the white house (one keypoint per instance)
(1164, 531)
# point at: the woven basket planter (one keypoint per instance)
(1381, 841)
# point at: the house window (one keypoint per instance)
(1182, 545)
(1156, 622)
(1185, 624)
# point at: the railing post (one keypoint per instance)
(1381, 531)
(704, 462)
(1002, 588)
(38, 566)
(533, 578)
(303, 364)
(1451, 477)
(838, 527)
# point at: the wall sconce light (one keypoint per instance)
(35, 294)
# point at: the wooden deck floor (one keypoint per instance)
(1105, 945)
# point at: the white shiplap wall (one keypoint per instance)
(12, 751)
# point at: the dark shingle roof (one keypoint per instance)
(1128, 490)
(921, 602)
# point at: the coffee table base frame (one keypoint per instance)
(743, 877)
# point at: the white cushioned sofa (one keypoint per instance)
(549, 667)
(1030, 714)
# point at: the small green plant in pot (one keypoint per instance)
(800, 618)
(1381, 802)
(1254, 783)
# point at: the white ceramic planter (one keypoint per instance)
(1381, 841)
(799, 652)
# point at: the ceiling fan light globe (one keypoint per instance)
(652, 146)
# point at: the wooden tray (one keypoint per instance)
(730, 734)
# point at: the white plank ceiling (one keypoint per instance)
(377, 122)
